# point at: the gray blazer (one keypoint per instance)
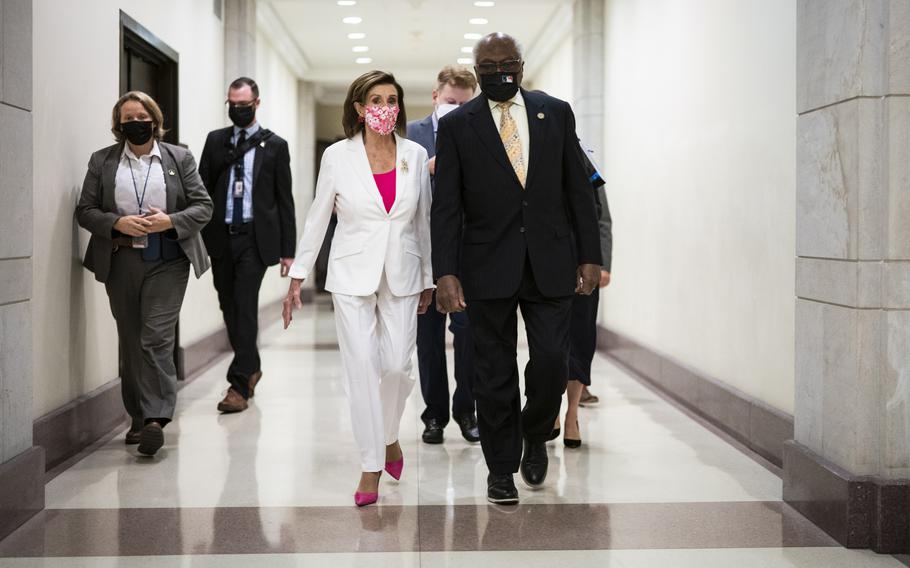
(605, 222)
(188, 204)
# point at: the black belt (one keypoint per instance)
(240, 229)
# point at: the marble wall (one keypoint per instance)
(853, 234)
(15, 228)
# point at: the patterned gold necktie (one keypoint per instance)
(508, 131)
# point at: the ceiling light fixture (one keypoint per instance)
(364, 60)
(360, 49)
(478, 4)
(467, 50)
(479, 21)
(351, 2)
(352, 20)
(357, 35)
(465, 61)
(473, 36)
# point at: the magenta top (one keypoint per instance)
(386, 184)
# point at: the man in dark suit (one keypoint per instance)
(512, 194)
(247, 171)
(454, 87)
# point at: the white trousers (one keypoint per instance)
(377, 335)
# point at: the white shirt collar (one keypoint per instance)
(517, 100)
(156, 151)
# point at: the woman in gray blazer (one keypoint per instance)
(144, 204)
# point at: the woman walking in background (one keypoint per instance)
(144, 203)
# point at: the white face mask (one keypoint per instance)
(444, 109)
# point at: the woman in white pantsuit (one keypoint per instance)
(379, 272)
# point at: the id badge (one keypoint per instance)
(238, 189)
(141, 242)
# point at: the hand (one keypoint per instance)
(449, 296)
(133, 225)
(604, 278)
(286, 266)
(588, 276)
(432, 165)
(424, 304)
(159, 221)
(291, 302)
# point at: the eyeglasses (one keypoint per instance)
(511, 66)
(243, 104)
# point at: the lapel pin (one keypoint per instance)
(171, 173)
(262, 144)
(404, 166)
(540, 115)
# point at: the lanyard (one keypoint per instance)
(141, 200)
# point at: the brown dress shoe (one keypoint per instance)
(254, 380)
(132, 437)
(151, 438)
(233, 402)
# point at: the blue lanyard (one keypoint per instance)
(141, 200)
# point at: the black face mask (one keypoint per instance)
(242, 116)
(138, 132)
(499, 87)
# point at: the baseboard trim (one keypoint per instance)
(21, 489)
(749, 421)
(858, 512)
(67, 431)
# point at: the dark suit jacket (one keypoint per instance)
(274, 224)
(552, 221)
(421, 131)
(188, 205)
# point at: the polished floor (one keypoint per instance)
(273, 486)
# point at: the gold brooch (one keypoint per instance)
(404, 166)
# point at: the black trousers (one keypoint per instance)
(238, 277)
(583, 336)
(431, 361)
(494, 324)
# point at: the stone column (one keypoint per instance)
(847, 468)
(239, 39)
(21, 463)
(588, 72)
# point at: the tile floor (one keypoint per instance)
(273, 487)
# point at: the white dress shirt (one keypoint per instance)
(133, 168)
(519, 114)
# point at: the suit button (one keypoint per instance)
(522, 229)
(525, 203)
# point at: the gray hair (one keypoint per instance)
(497, 36)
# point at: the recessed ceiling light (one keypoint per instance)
(360, 49)
(479, 21)
(465, 61)
(473, 36)
(357, 35)
(467, 50)
(364, 60)
(354, 2)
(478, 4)
(352, 20)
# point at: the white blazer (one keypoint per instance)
(367, 238)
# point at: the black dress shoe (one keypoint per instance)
(132, 437)
(534, 463)
(469, 429)
(501, 489)
(151, 438)
(432, 434)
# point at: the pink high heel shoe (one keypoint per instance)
(394, 468)
(364, 499)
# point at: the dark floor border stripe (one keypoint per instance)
(859, 512)
(71, 429)
(22, 494)
(751, 422)
(244, 530)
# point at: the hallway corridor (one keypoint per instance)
(272, 487)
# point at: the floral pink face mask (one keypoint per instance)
(382, 119)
